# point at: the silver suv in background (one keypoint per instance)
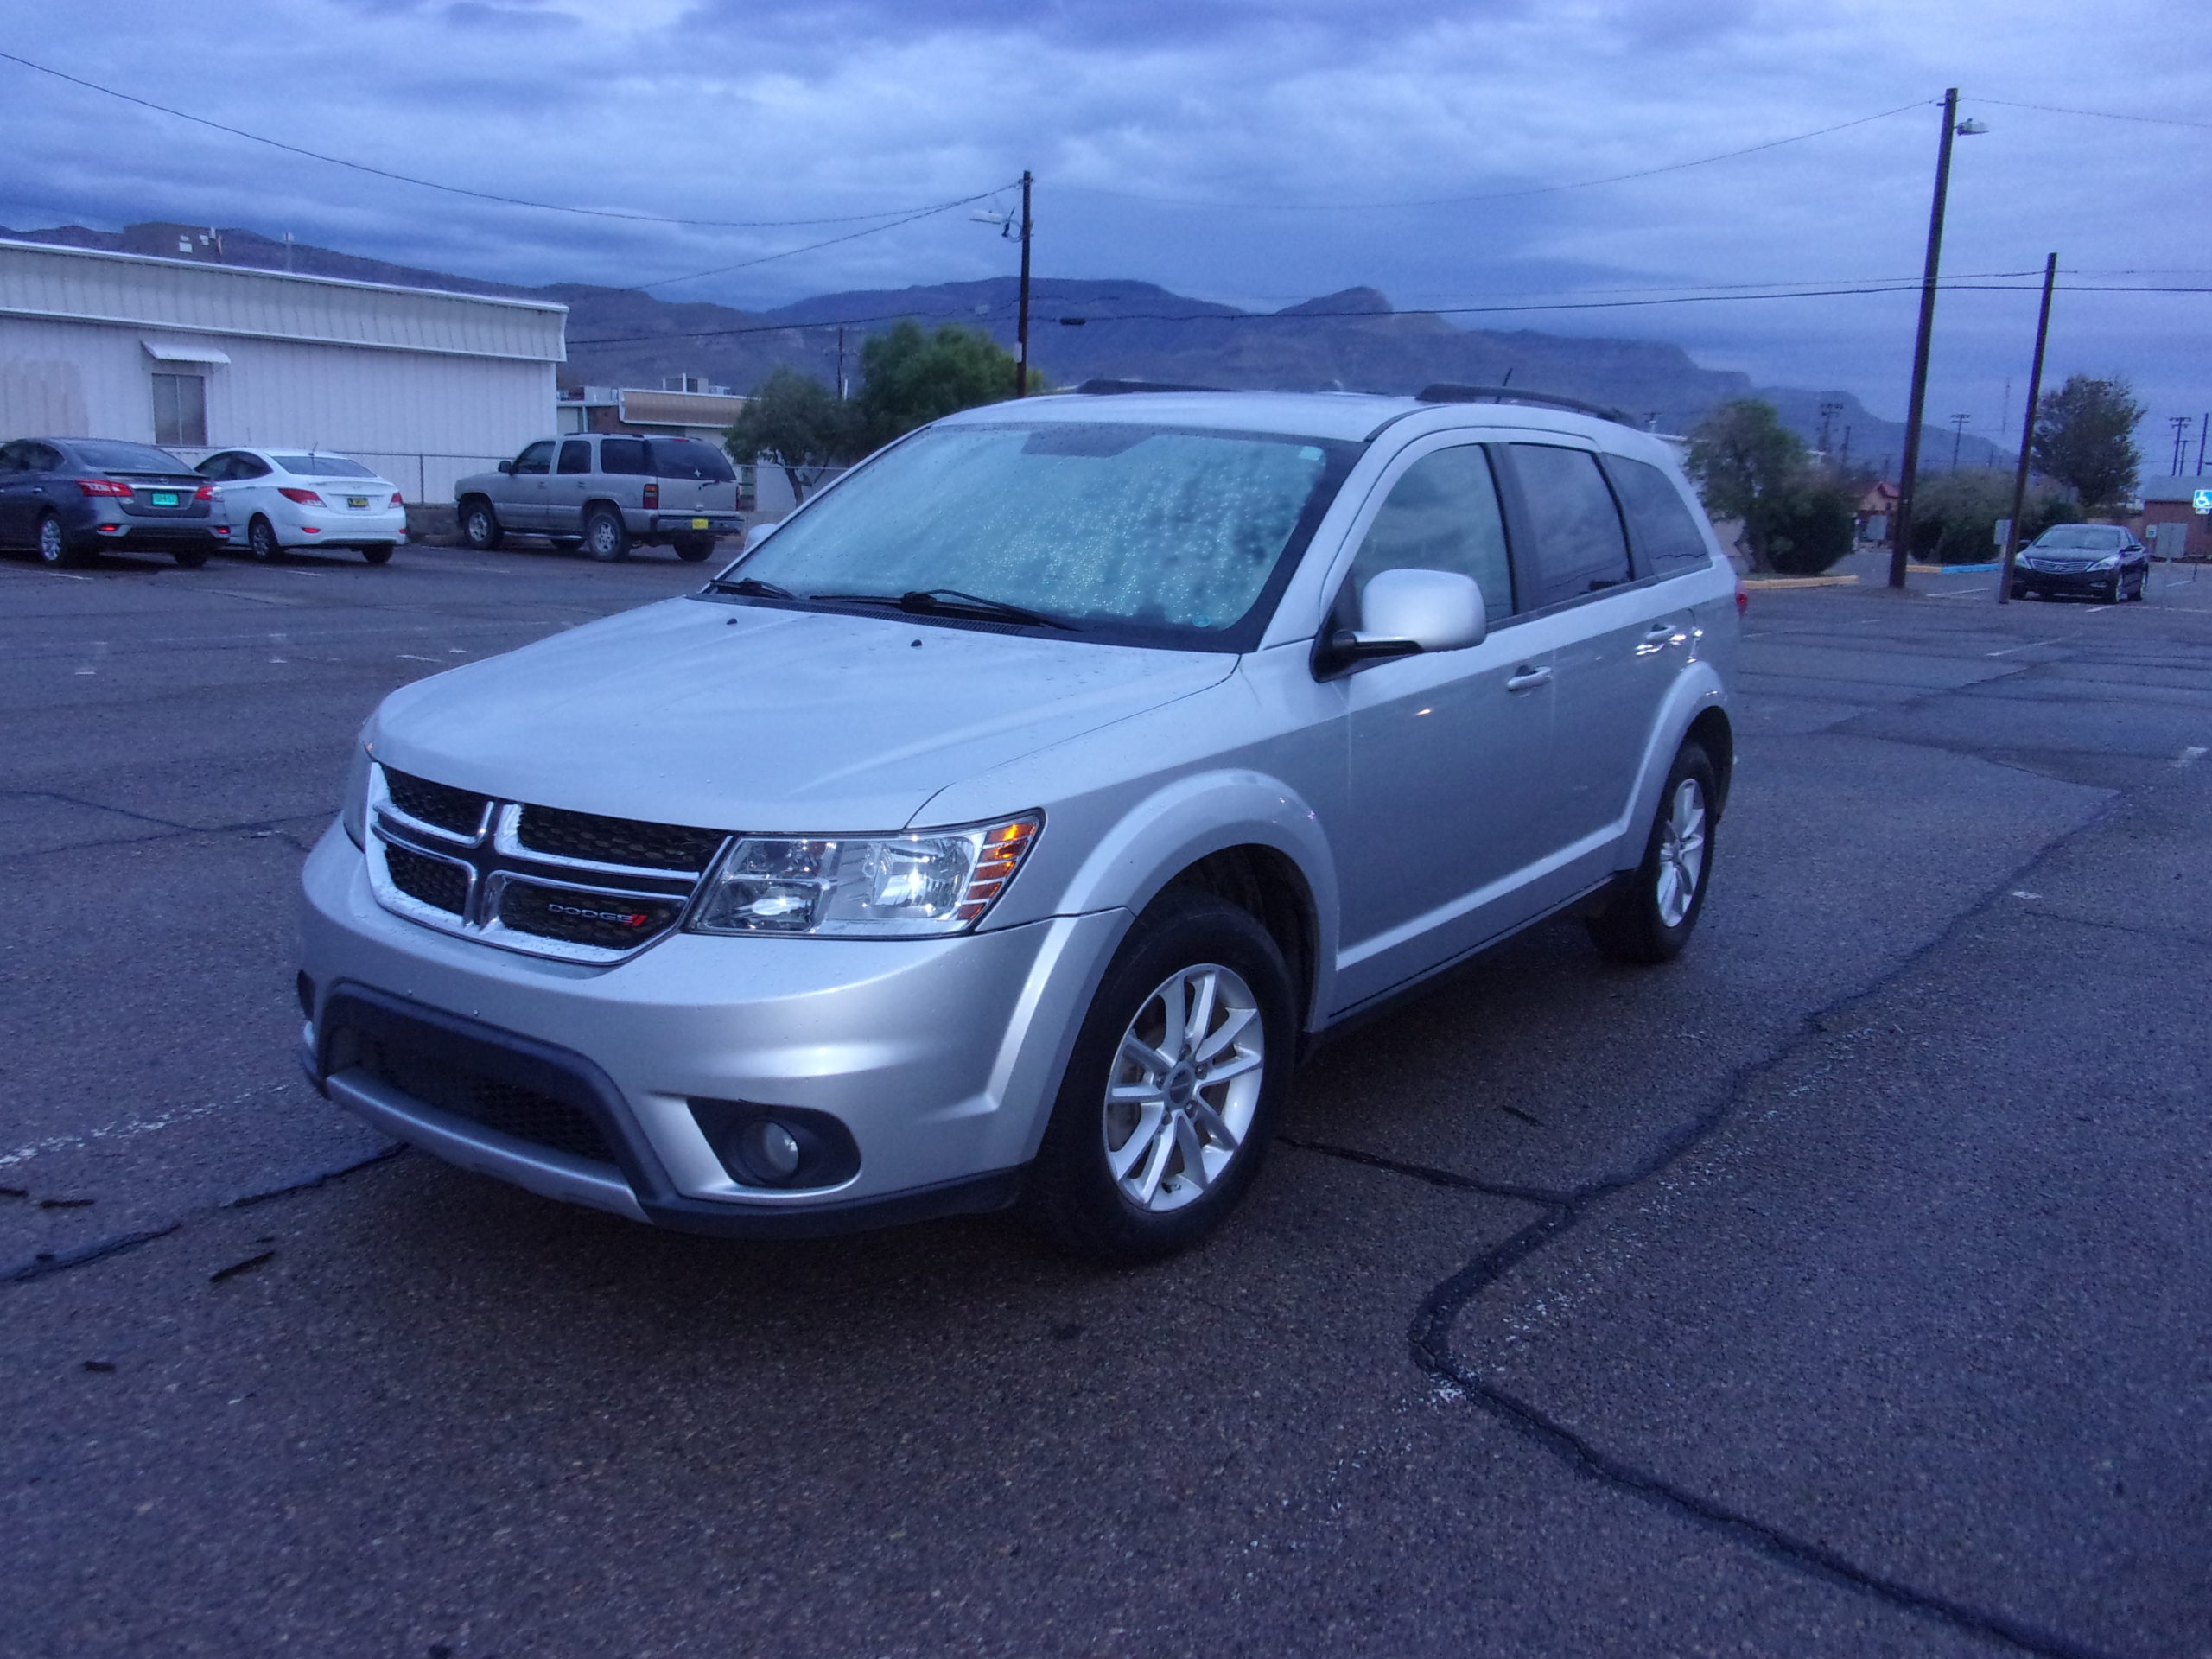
(606, 493)
(1003, 826)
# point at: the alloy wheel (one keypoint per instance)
(1681, 852)
(1184, 1087)
(52, 549)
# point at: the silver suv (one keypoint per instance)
(605, 494)
(1003, 826)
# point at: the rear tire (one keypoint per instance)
(606, 537)
(261, 538)
(1652, 915)
(54, 549)
(694, 549)
(479, 527)
(379, 553)
(190, 557)
(1172, 1090)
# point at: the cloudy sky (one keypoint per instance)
(1257, 152)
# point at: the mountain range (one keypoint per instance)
(1354, 340)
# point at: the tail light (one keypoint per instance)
(305, 498)
(204, 493)
(652, 495)
(103, 486)
(396, 502)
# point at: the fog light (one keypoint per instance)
(770, 1148)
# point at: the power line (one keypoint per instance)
(1901, 287)
(2100, 114)
(1498, 195)
(486, 195)
(850, 236)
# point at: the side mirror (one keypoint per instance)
(506, 466)
(757, 533)
(1402, 612)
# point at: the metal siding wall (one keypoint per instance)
(228, 301)
(425, 420)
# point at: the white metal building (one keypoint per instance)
(423, 386)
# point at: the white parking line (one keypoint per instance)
(2030, 646)
(129, 1127)
(2190, 755)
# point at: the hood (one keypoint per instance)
(746, 717)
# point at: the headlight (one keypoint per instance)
(354, 815)
(2110, 561)
(926, 883)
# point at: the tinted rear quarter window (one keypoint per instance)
(625, 457)
(1580, 548)
(1666, 533)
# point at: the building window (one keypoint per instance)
(180, 410)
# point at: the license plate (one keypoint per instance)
(700, 524)
(357, 500)
(164, 498)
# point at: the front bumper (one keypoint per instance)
(2088, 583)
(941, 1056)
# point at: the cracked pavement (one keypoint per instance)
(1838, 1289)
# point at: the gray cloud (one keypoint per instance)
(780, 110)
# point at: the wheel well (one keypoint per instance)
(1266, 886)
(1712, 731)
(484, 501)
(599, 501)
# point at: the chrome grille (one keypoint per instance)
(540, 880)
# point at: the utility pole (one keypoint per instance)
(1958, 436)
(1021, 328)
(2027, 433)
(841, 365)
(2180, 424)
(2202, 427)
(1908, 472)
(1830, 407)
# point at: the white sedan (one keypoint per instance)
(279, 499)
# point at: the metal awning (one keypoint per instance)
(164, 350)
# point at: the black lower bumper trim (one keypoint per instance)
(975, 1195)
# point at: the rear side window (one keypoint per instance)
(1580, 548)
(575, 455)
(624, 456)
(1442, 514)
(688, 458)
(1665, 532)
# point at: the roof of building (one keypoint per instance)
(47, 281)
(2172, 488)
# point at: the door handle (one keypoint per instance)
(1527, 678)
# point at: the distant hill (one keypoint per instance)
(1354, 340)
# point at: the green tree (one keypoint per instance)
(1748, 466)
(2085, 438)
(796, 423)
(910, 379)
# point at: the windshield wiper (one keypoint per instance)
(752, 587)
(951, 602)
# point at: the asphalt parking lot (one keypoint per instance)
(1841, 1288)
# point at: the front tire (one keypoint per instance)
(261, 537)
(1173, 1087)
(54, 549)
(606, 537)
(479, 527)
(1653, 914)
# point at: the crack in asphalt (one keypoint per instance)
(170, 829)
(47, 1262)
(1431, 1332)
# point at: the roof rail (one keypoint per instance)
(1109, 388)
(1445, 392)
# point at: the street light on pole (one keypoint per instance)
(1908, 471)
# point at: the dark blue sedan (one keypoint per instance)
(2090, 561)
(69, 498)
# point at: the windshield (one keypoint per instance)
(2099, 538)
(128, 458)
(687, 458)
(322, 466)
(1150, 535)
